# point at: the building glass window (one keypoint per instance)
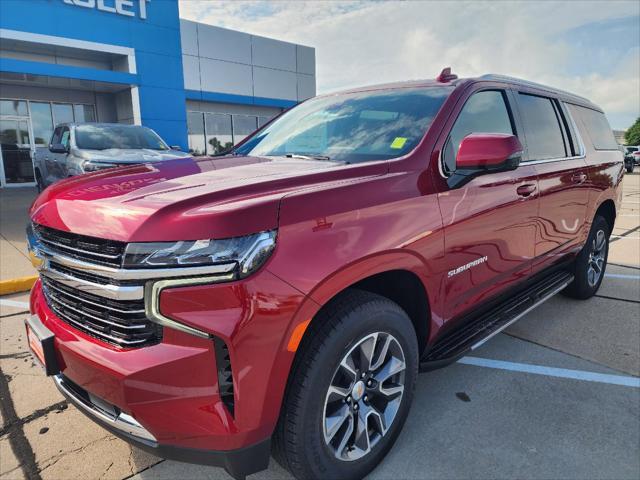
(84, 113)
(62, 113)
(14, 107)
(243, 126)
(263, 120)
(219, 133)
(42, 122)
(195, 128)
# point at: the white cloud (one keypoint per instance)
(359, 43)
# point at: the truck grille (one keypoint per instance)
(121, 323)
(89, 249)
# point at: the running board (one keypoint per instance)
(477, 331)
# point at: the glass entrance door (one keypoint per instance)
(16, 147)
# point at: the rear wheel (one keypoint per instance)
(591, 262)
(350, 389)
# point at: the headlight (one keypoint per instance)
(249, 252)
(91, 166)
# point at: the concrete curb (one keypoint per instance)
(15, 285)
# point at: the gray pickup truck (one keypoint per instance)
(78, 148)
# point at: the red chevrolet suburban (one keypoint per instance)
(283, 297)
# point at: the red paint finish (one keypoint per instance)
(481, 150)
(337, 225)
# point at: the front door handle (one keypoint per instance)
(526, 189)
(578, 178)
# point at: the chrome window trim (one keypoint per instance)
(122, 422)
(135, 274)
(582, 150)
(550, 160)
(152, 300)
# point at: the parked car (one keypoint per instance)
(77, 148)
(284, 297)
(631, 157)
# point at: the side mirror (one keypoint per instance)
(58, 148)
(482, 153)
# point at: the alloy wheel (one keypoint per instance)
(364, 396)
(595, 263)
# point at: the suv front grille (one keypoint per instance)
(121, 323)
(89, 249)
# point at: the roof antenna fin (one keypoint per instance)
(446, 75)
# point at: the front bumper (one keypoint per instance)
(166, 397)
(238, 463)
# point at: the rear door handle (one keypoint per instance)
(526, 189)
(579, 178)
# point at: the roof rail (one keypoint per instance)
(507, 78)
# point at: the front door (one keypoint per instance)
(489, 223)
(16, 148)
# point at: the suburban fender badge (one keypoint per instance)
(467, 266)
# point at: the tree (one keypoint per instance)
(632, 136)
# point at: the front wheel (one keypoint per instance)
(591, 262)
(350, 389)
(629, 168)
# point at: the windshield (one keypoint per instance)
(102, 137)
(632, 149)
(352, 127)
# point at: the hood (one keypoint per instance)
(184, 199)
(131, 155)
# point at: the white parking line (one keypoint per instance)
(553, 372)
(622, 275)
(13, 303)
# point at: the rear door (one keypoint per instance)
(554, 150)
(489, 223)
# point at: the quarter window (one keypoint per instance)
(542, 128)
(598, 129)
(484, 112)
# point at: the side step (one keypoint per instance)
(477, 331)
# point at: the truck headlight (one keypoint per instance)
(249, 252)
(93, 166)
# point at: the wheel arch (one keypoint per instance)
(393, 275)
(608, 210)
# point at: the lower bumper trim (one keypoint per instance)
(238, 463)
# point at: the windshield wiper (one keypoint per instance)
(308, 157)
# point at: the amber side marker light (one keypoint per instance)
(296, 336)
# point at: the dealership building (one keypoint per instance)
(200, 87)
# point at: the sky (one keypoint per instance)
(591, 48)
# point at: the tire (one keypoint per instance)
(630, 169)
(591, 262)
(356, 320)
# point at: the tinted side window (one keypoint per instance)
(541, 127)
(64, 138)
(484, 112)
(55, 138)
(598, 129)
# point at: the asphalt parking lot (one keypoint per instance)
(556, 396)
